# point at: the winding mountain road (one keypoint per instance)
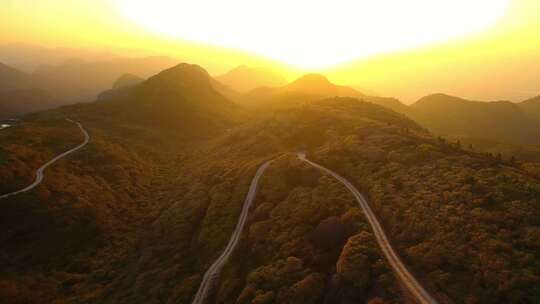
(39, 172)
(213, 272)
(408, 280)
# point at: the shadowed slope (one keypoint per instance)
(501, 120)
(181, 100)
(531, 107)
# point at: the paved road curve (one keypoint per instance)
(213, 272)
(408, 280)
(39, 172)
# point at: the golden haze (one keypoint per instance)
(475, 66)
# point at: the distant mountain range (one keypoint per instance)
(245, 78)
(20, 93)
(71, 82)
(308, 88)
(503, 121)
(13, 79)
(77, 80)
(29, 57)
(81, 81)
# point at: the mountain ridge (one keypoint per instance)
(532, 106)
(497, 120)
(181, 100)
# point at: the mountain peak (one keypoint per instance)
(439, 99)
(313, 79)
(531, 107)
(532, 100)
(441, 96)
(242, 67)
(318, 84)
(184, 75)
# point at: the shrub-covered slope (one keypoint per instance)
(140, 213)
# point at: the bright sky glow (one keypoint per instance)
(315, 33)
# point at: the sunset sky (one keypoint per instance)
(389, 47)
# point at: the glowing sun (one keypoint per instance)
(315, 33)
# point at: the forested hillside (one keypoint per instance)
(467, 221)
(83, 218)
(140, 214)
(323, 250)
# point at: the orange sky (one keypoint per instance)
(499, 62)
